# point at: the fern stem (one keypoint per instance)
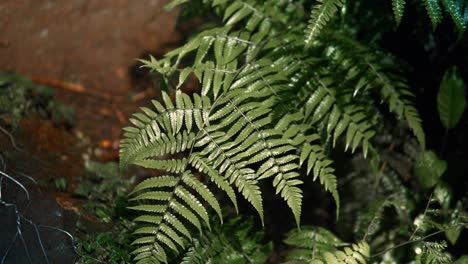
(407, 243)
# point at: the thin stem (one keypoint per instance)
(12, 140)
(424, 215)
(406, 243)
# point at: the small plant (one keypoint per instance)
(233, 242)
(20, 97)
(106, 200)
(281, 94)
(61, 184)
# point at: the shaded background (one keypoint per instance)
(87, 50)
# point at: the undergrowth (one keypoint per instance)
(282, 93)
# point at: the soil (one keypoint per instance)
(87, 50)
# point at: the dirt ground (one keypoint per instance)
(87, 50)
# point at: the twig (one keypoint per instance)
(406, 243)
(15, 181)
(423, 217)
(12, 140)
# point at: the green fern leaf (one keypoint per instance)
(455, 10)
(434, 11)
(187, 214)
(318, 245)
(398, 9)
(193, 203)
(161, 181)
(203, 166)
(169, 165)
(157, 133)
(204, 192)
(247, 9)
(321, 14)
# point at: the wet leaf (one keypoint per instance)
(462, 260)
(453, 234)
(443, 194)
(429, 168)
(451, 100)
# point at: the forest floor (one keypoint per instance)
(86, 51)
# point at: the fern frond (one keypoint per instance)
(368, 74)
(395, 93)
(245, 122)
(204, 166)
(169, 213)
(434, 252)
(319, 246)
(311, 153)
(169, 165)
(322, 169)
(312, 237)
(356, 253)
(234, 242)
(398, 10)
(237, 173)
(160, 132)
(246, 9)
(454, 8)
(321, 14)
(333, 111)
(434, 11)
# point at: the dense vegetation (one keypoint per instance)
(325, 131)
(280, 96)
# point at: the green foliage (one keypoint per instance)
(455, 8)
(105, 193)
(321, 14)
(318, 245)
(462, 260)
(106, 200)
(20, 97)
(451, 100)
(389, 210)
(398, 9)
(434, 11)
(61, 184)
(270, 103)
(428, 169)
(433, 252)
(233, 242)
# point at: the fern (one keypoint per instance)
(269, 105)
(435, 12)
(433, 252)
(234, 242)
(317, 245)
(320, 16)
(371, 75)
(398, 9)
(454, 8)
